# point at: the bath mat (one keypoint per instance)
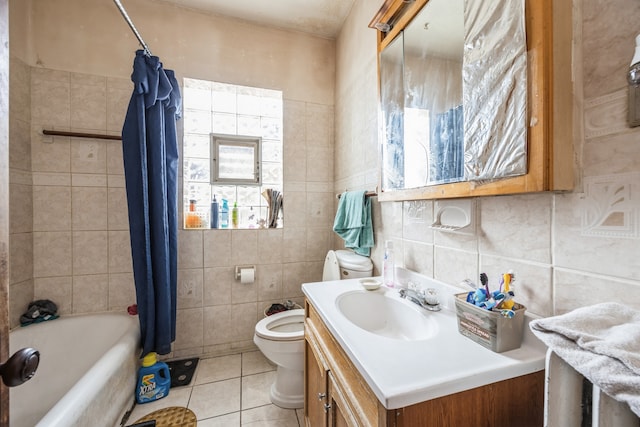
(174, 416)
(182, 371)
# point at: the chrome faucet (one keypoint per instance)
(425, 298)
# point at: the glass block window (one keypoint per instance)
(252, 117)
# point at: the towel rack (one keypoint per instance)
(81, 134)
(366, 194)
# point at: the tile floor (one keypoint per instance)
(228, 391)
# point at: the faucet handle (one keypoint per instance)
(430, 296)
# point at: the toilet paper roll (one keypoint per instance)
(247, 275)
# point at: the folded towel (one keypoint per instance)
(353, 222)
(601, 342)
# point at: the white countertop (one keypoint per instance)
(403, 373)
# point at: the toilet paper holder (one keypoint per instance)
(239, 269)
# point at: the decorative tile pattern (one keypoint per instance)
(611, 206)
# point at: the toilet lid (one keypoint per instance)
(352, 261)
(284, 326)
(331, 269)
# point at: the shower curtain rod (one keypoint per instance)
(124, 14)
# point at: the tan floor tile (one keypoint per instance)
(269, 416)
(255, 389)
(219, 393)
(214, 399)
(254, 362)
(218, 369)
(229, 420)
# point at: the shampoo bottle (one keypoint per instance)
(234, 215)
(154, 380)
(224, 214)
(215, 209)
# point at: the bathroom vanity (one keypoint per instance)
(435, 377)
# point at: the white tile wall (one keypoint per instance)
(538, 235)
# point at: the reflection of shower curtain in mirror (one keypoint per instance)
(447, 147)
(394, 151)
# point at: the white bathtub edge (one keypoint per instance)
(85, 392)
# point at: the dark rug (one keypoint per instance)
(182, 371)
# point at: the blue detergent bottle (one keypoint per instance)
(154, 380)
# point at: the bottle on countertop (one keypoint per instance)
(154, 380)
(224, 214)
(388, 265)
(235, 220)
(215, 210)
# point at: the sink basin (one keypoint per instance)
(383, 315)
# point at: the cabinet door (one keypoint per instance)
(315, 384)
(340, 413)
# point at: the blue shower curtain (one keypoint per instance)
(150, 151)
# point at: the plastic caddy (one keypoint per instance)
(490, 329)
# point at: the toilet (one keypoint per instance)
(280, 337)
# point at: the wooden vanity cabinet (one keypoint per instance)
(336, 395)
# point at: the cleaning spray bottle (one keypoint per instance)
(154, 380)
(224, 214)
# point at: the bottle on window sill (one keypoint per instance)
(192, 219)
(235, 220)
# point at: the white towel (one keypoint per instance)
(601, 342)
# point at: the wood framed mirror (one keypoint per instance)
(546, 122)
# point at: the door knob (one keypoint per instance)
(20, 367)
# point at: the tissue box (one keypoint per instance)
(489, 328)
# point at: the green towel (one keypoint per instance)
(353, 222)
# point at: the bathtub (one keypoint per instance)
(87, 371)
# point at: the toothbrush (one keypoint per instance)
(506, 277)
(507, 303)
(485, 282)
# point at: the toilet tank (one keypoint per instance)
(353, 266)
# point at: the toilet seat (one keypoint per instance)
(331, 270)
(284, 326)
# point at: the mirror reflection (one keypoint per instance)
(453, 95)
